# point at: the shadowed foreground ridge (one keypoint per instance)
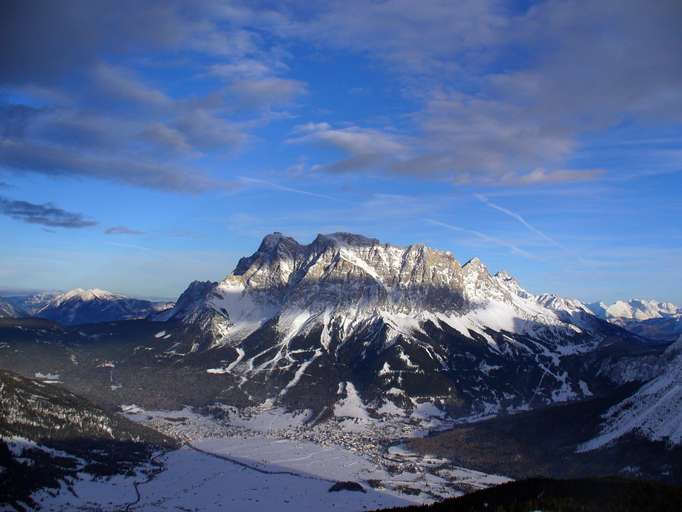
(579, 495)
(50, 435)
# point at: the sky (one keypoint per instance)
(144, 145)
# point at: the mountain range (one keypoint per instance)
(649, 318)
(353, 332)
(357, 318)
(377, 330)
(79, 306)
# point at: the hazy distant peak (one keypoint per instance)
(635, 309)
(88, 295)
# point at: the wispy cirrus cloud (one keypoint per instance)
(455, 139)
(103, 115)
(45, 214)
(122, 230)
(482, 123)
(519, 219)
(515, 249)
(22, 156)
(363, 148)
(257, 182)
(472, 117)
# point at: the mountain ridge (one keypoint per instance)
(79, 306)
(291, 313)
(49, 437)
(653, 319)
(400, 279)
(363, 339)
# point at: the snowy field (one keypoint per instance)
(267, 459)
(327, 462)
(198, 481)
(274, 440)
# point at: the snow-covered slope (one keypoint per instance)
(7, 309)
(358, 278)
(648, 318)
(654, 411)
(635, 309)
(50, 437)
(408, 319)
(81, 306)
(29, 305)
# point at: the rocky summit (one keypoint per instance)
(407, 328)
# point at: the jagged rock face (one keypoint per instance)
(338, 274)
(340, 271)
(343, 272)
(397, 322)
(271, 266)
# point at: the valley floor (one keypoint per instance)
(195, 480)
(247, 461)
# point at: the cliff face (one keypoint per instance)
(346, 274)
(412, 321)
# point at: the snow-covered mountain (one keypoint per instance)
(635, 309)
(361, 341)
(7, 309)
(81, 306)
(28, 305)
(649, 318)
(654, 411)
(385, 327)
(350, 276)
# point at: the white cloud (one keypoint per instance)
(543, 177)
(480, 116)
(423, 37)
(580, 68)
(115, 84)
(363, 148)
(243, 69)
(265, 92)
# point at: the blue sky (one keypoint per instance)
(145, 146)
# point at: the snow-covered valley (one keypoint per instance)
(201, 480)
(247, 460)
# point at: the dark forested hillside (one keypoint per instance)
(583, 495)
(546, 442)
(48, 434)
